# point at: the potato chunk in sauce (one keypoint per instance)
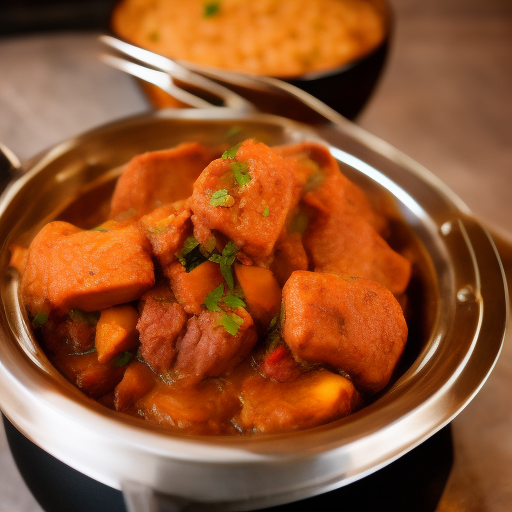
(246, 293)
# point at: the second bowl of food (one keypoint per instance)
(332, 49)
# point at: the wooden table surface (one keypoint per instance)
(445, 99)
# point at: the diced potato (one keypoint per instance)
(116, 331)
(201, 409)
(261, 291)
(138, 380)
(312, 399)
(191, 288)
(89, 270)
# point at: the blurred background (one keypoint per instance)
(444, 98)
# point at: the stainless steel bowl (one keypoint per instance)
(463, 316)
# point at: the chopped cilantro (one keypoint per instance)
(222, 198)
(99, 228)
(211, 9)
(241, 172)
(233, 301)
(90, 318)
(299, 223)
(231, 152)
(125, 358)
(190, 244)
(40, 319)
(266, 212)
(209, 246)
(225, 260)
(231, 322)
(212, 299)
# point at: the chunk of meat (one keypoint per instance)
(344, 243)
(191, 288)
(116, 331)
(312, 399)
(208, 350)
(326, 186)
(167, 228)
(154, 179)
(353, 324)
(161, 322)
(89, 270)
(254, 212)
(279, 364)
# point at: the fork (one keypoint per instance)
(253, 93)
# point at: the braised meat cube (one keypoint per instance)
(161, 322)
(89, 270)
(167, 228)
(156, 178)
(247, 195)
(208, 350)
(353, 324)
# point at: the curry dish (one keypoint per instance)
(265, 37)
(246, 290)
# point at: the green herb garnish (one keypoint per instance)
(233, 301)
(222, 198)
(211, 9)
(90, 318)
(40, 319)
(100, 229)
(266, 212)
(231, 152)
(241, 172)
(190, 244)
(212, 299)
(125, 358)
(231, 322)
(225, 260)
(191, 254)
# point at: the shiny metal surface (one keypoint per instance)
(467, 310)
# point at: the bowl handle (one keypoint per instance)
(9, 164)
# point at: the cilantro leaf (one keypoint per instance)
(226, 260)
(189, 244)
(40, 319)
(231, 152)
(211, 301)
(222, 198)
(90, 318)
(231, 322)
(266, 212)
(125, 358)
(241, 172)
(211, 9)
(233, 301)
